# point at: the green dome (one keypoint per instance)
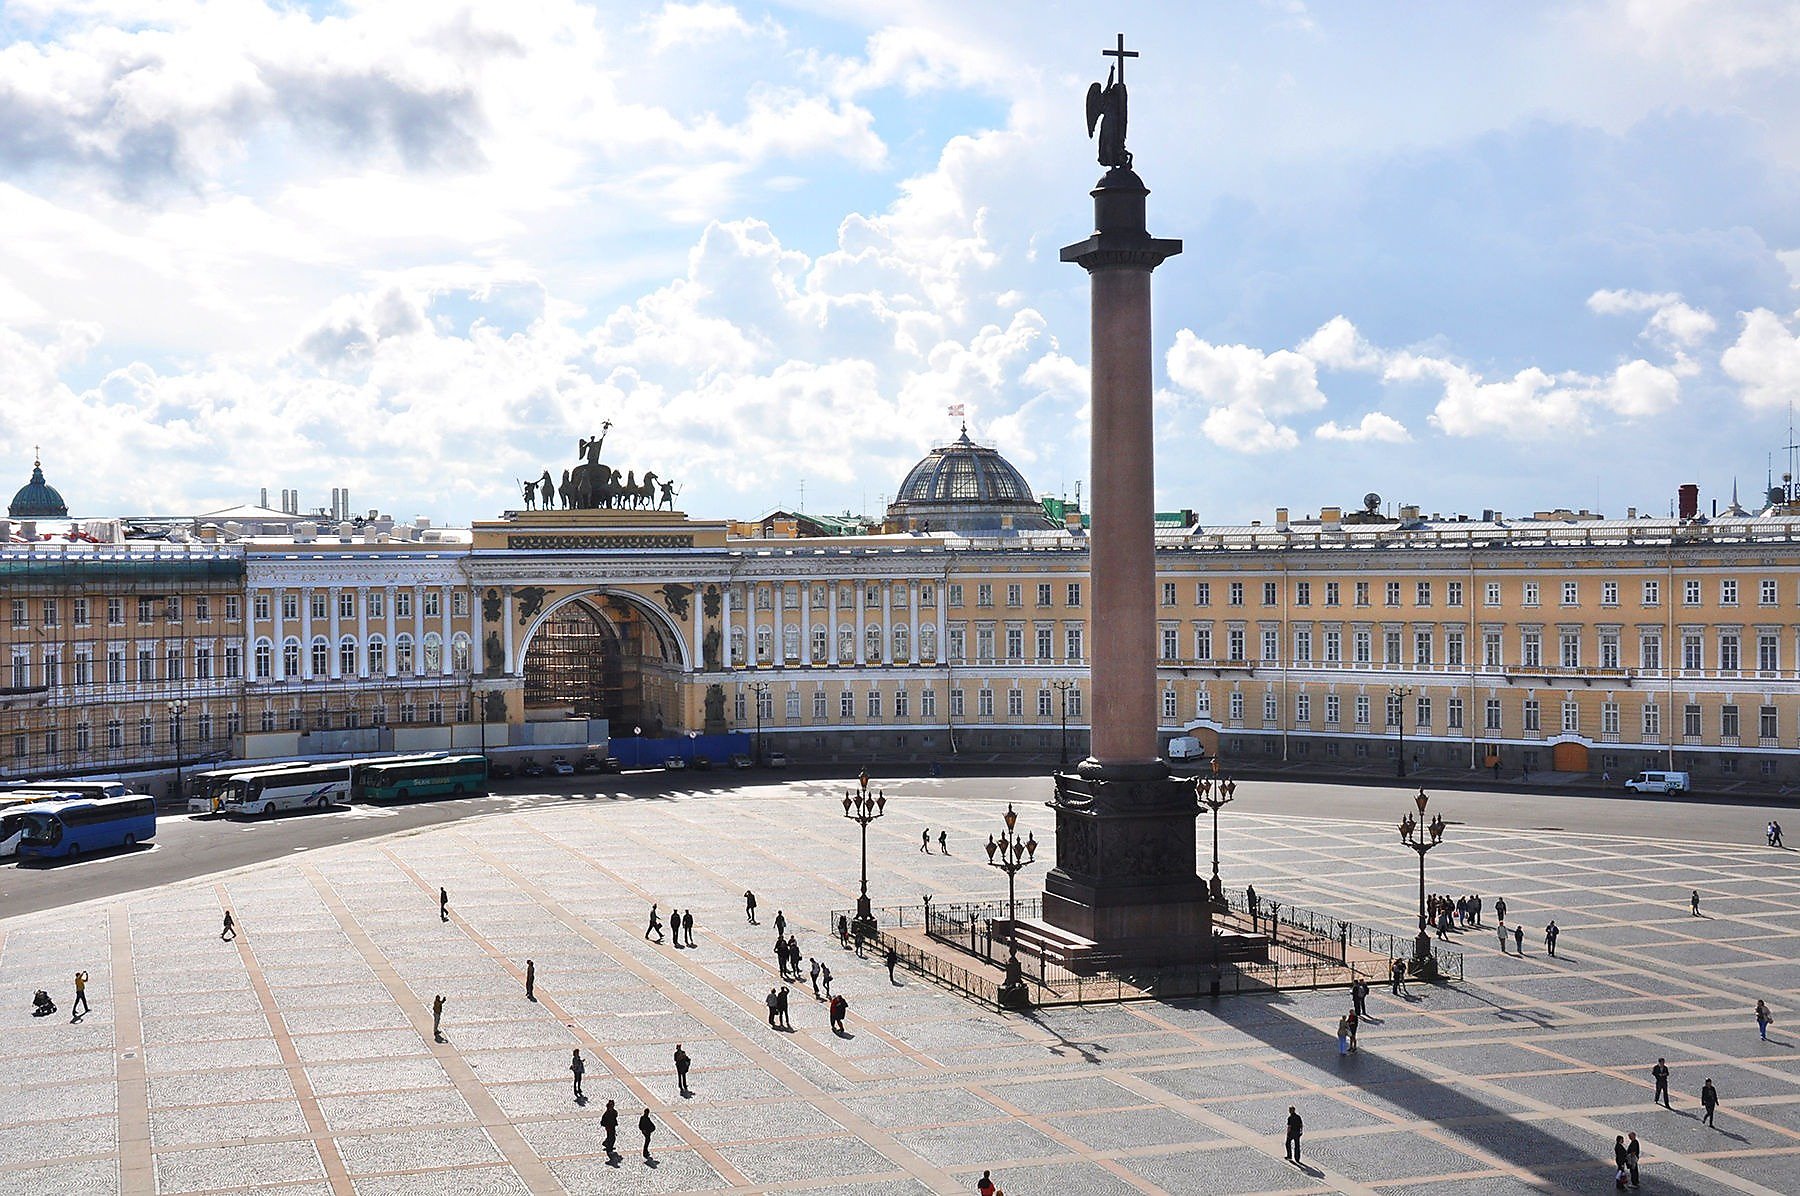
(38, 499)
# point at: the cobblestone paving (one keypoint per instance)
(299, 1059)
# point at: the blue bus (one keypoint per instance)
(67, 829)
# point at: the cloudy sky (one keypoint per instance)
(1467, 256)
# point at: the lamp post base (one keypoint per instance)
(1014, 994)
(864, 922)
(1218, 890)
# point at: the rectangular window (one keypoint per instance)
(203, 609)
(1332, 707)
(146, 664)
(1203, 648)
(1045, 643)
(956, 703)
(1571, 717)
(1270, 597)
(1571, 593)
(1491, 714)
(1609, 718)
(1074, 594)
(1531, 593)
(1390, 647)
(1334, 646)
(1491, 595)
(81, 612)
(958, 646)
(1015, 644)
(1072, 644)
(1235, 643)
(820, 702)
(1171, 646)
(1271, 645)
(1421, 647)
(1729, 658)
(1650, 651)
(1236, 706)
(1362, 710)
(1203, 593)
(1168, 593)
(1393, 593)
(1690, 592)
(1690, 722)
(901, 704)
(1015, 703)
(52, 612)
(115, 612)
(1453, 647)
(1728, 722)
(1237, 593)
(846, 705)
(1331, 593)
(1531, 715)
(1453, 593)
(874, 703)
(115, 666)
(1609, 593)
(984, 644)
(433, 604)
(1303, 646)
(1609, 649)
(1531, 653)
(1767, 724)
(1728, 592)
(146, 611)
(1693, 653)
(320, 604)
(21, 615)
(1569, 645)
(928, 703)
(1202, 703)
(459, 603)
(984, 703)
(1453, 714)
(259, 606)
(1652, 720)
(403, 604)
(1303, 593)
(1767, 592)
(984, 594)
(346, 604)
(1043, 593)
(1046, 708)
(172, 608)
(1270, 710)
(231, 608)
(1362, 646)
(1303, 708)
(1652, 593)
(1394, 710)
(1362, 593)
(1422, 594)
(203, 662)
(1768, 653)
(953, 594)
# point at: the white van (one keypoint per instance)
(1659, 782)
(1185, 747)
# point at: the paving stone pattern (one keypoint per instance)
(300, 1059)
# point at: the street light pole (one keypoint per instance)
(758, 689)
(1012, 855)
(862, 809)
(1399, 693)
(1422, 836)
(1215, 795)
(177, 708)
(1063, 687)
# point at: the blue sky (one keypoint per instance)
(1466, 256)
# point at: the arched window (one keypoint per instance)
(872, 643)
(290, 657)
(790, 643)
(347, 656)
(846, 644)
(902, 642)
(377, 656)
(320, 658)
(264, 660)
(403, 657)
(928, 643)
(434, 652)
(821, 643)
(459, 652)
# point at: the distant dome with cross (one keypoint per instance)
(969, 489)
(38, 499)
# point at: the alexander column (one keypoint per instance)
(1125, 875)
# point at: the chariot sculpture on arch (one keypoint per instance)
(594, 485)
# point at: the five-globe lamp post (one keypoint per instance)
(1215, 793)
(1422, 836)
(177, 708)
(1398, 694)
(1063, 687)
(760, 690)
(863, 809)
(1012, 855)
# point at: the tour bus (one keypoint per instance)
(67, 829)
(84, 788)
(311, 786)
(444, 776)
(364, 766)
(205, 788)
(12, 824)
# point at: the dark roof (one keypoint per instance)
(38, 499)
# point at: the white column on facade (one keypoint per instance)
(306, 632)
(862, 600)
(912, 619)
(942, 622)
(362, 632)
(277, 633)
(334, 667)
(506, 622)
(387, 664)
(699, 630)
(725, 624)
(887, 623)
(445, 666)
(805, 623)
(418, 605)
(831, 647)
(477, 650)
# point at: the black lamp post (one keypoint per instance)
(1063, 687)
(1399, 694)
(1422, 836)
(1012, 855)
(862, 809)
(177, 708)
(757, 690)
(1215, 794)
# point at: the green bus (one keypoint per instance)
(445, 776)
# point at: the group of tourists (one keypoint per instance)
(681, 924)
(1446, 913)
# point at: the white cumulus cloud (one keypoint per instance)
(1764, 361)
(1679, 323)
(1375, 426)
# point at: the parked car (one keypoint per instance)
(611, 764)
(777, 759)
(531, 768)
(588, 763)
(674, 762)
(501, 772)
(738, 760)
(561, 767)
(701, 762)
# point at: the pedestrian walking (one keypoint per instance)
(646, 1127)
(844, 930)
(749, 907)
(859, 940)
(1291, 1149)
(839, 1008)
(780, 923)
(1633, 1152)
(437, 1018)
(773, 1004)
(609, 1121)
(230, 931)
(1500, 908)
(687, 926)
(944, 842)
(1619, 1159)
(655, 926)
(781, 1009)
(925, 840)
(1500, 933)
(825, 978)
(79, 1005)
(1775, 835)
(1343, 1036)
(577, 1069)
(1660, 1073)
(530, 980)
(1694, 902)
(892, 961)
(443, 904)
(1550, 933)
(1397, 978)
(1353, 1022)
(815, 976)
(1359, 994)
(1709, 1099)
(682, 1062)
(1762, 1020)
(1519, 938)
(985, 1185)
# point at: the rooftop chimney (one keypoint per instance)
(1688, 500)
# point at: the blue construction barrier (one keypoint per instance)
(641, 751)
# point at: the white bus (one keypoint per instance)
(12, 826)
(311, 787)
(204, 789)
(75, 788)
